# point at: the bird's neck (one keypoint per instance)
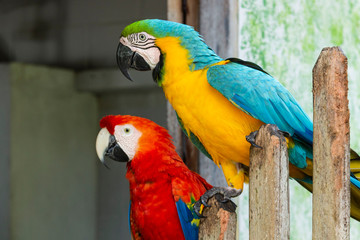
(178, 58)
(152, 166)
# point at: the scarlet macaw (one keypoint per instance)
(220, 102)
(162, 189)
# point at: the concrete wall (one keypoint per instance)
(77, 34)
(52, 186)
(53, 174)
(52, 193)
(117, 95)
(113, 197)
(56, 186)
(4, 151)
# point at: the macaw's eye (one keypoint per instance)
(127, 131)
(142, 37)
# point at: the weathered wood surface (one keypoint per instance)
(175, 14)
(219, 23)
(269, 186)
(220, 223)
(183, 12)
(331, 181)
(174, 11)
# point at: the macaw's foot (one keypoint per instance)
(284, 133)
(275, 131)
(251, 139)
(222, 195)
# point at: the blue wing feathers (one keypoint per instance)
(186, 217)
(355, 181)
(262, 97)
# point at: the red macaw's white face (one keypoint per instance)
(121, 146)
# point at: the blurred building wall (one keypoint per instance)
(52, 185)
(78, 34)
(4, 152)
(117, 95)
(52, 169)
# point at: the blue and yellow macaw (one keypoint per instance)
(219, 102)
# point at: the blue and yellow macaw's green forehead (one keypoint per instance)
(200, 54)
(159, 28)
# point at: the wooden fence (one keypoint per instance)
(269, 166)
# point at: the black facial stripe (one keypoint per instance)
(134, 39)
(144, 43)
(145, 48)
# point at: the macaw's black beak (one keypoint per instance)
(128, 59)
(115, 152)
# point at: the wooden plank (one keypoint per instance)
(175, 14)
(220, 222)
(219, 25)
(192, 14)
(331, 181)
(174, 11)
(269, 186)
(219, 28)
(184, 12)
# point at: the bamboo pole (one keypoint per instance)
(269, 186)
(331, 180)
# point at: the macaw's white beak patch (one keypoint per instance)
(102, 143)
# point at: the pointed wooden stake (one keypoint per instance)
(331, 181)
(269, 186)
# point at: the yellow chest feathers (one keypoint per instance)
(220, 126)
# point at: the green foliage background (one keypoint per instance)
(286, 38)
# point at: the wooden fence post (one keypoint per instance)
(269, 186)
(220, 223)
(183, 12)
(331, 180)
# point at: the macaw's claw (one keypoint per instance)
(285, 134)
(251, 139)
(274, 130)
(222, 196)
(197, 207)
